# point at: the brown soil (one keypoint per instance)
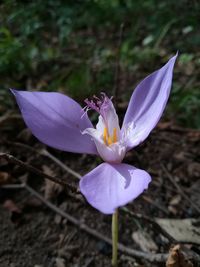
(36, 236)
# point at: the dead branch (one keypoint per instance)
(32, 169)
(62, 165)
(44, 152)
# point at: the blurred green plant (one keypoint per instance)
(185, 106)
(73, 45)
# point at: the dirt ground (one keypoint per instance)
(32, 235)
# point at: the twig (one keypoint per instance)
(117, 70)
(160, 257)
(152, 222)
(24, 146)
(196, 207)
(62, 165)
(32, 169)
(47, 154)
(12, 186)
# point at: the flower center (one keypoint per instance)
(109, 139)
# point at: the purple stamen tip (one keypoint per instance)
(92, 105)
(99, 104)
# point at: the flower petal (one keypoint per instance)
(100, 125)
(148, 102)
(110, 186)
(111, 118)
(55, 120)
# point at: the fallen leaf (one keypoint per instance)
(183, 230)
(60, 262)
(175, 200)
(177, 258)
(172, 209)
(144, 240)
(51, 189)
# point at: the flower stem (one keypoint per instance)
(114, 238)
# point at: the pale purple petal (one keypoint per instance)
(56, 120)
(148, 102)
(110, 186)
(111, 118)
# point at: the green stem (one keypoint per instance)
(114, 238)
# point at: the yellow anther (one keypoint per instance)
(114, 139)
(105, 135)
(109, 140)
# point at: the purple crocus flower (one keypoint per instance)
(60, 122)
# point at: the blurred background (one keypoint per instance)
(84, 47)
(81, 48)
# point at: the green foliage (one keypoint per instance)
(73, 45)
(185, 106)
(185, 98)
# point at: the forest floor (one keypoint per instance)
(34, 235)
